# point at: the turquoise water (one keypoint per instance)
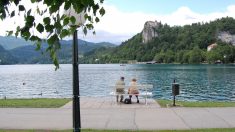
(197, 82)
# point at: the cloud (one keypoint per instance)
(104, 36)
(118, 26)
(185, 15)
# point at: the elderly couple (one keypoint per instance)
(132, 90)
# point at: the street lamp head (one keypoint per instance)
(80, 19)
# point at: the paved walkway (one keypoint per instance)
(106, 114)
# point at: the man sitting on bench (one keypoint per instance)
(133, 90)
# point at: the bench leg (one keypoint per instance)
(145, 100)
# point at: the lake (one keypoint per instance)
(197, 82)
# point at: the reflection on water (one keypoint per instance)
(197, 82)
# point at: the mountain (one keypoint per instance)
(178, 44)
(106, 44)
(23, 52)
(6, 57)
(11, 42)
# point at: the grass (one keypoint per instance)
(93, 130)
(33, 103)
(164, 103)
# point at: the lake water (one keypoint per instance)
(197, 82)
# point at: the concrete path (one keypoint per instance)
(105, 113)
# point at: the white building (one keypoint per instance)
(210, 47)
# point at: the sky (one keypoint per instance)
(125, 18)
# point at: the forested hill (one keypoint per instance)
(177, 44)
(18, 51)
(6, 57)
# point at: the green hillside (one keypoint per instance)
(6, 57)
(11, 42)
(18, 51)
(178, 44)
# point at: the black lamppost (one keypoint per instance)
(76, 95)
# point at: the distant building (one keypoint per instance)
(132, 61)
(212, 46)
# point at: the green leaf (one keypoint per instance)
(95, 8)
(38, 46)
(30, 19)
(53, 8)
(33, 1)
(40, 28)
(97, 19)
(47, 2)
(49, 28)
(29, 12)
(21, 8)
(72, 29)
(66, 21)
(3, 15)
(57, 45)
(63, 17)
(56, 63)
(57, 22)
(89, 26)
(53, 39)
(38, 10)
(12, 13)
(86, 16)
(101, 1)
(87, 2)
(67, 5)
(18, 28)
(85, 30)
(102, 11)
(9, 33)
(72, 19)
(17, 31)
(25, 35)
(35, 38)
(64, 33)
(46, 20)
(45, 11)
(16, 2)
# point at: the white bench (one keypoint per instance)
(143, 91)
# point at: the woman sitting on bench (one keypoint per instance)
(133, 90)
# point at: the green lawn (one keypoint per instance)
(164, 103)
(92, 130)
(33, 103)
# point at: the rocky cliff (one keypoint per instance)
(227, 37)
(150, 31)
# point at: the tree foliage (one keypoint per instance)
(53, 23)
